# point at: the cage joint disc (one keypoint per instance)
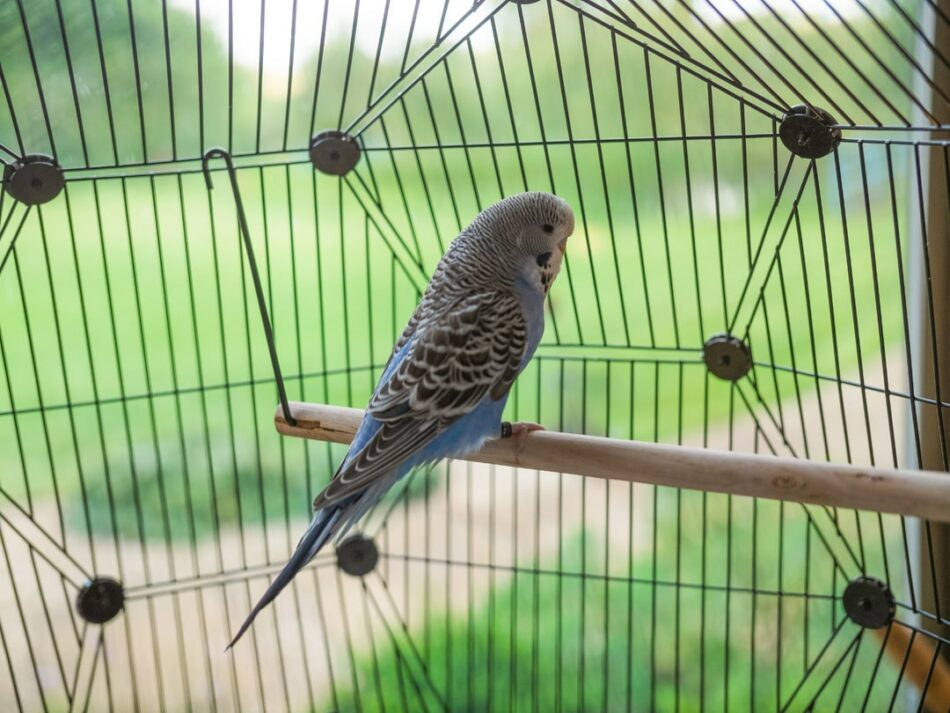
(868, 602)
(357, 555)
(100, 599)
(334, 152)
(34, 179)
(809, 131)
(727, 357)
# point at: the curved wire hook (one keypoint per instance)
(255, 275)
(216, 152)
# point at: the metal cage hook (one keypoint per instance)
(252, 262)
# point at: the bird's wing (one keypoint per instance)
(473, 349)
(434, 302)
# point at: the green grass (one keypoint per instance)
(138, 287)
(548, 641)
(164, 311)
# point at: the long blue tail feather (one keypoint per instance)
(310, 544)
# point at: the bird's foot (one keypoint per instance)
(519, 431)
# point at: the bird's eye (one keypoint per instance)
(547, 228)
(543, 259)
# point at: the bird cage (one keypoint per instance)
(205, 200)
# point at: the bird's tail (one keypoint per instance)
(316, 536)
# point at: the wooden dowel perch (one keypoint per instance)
(918, 658)
(907, 492)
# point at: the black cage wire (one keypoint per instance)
(768, 179)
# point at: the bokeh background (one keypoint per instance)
(136, 398)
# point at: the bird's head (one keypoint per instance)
(532, 228)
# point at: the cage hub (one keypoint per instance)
(868, 602)
(34, 179)
(809, 131)
(727, 357)
(100, 599)
(334, 152)
(357, 555)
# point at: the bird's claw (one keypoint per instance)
(519, 431)
(514, 430)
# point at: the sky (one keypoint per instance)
(280, 14)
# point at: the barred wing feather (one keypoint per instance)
(472, 349)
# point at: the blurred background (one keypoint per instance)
(136, 398)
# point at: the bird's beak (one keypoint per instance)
(562, 246)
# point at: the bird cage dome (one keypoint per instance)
(210, 208)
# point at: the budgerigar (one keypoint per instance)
(444, 388)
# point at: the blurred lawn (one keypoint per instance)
(163, 313)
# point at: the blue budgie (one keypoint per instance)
(444, 388)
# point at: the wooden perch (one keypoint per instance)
(919, 659)
(906, 492)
